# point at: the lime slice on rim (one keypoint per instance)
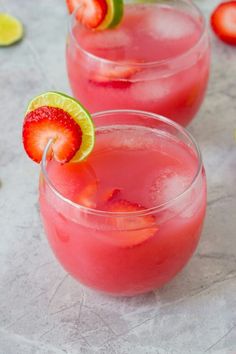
(76, 111)
(114, 14)
(11, 30)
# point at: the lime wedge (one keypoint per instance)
(11, 30)
(76, 111)
(114, 14)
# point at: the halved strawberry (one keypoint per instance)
(223, 21)
(90, 12)
(131, 230)
(45, 123)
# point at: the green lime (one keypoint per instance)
(11, 30)
(76, 111)
(114, 14)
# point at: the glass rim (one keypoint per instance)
(140, 64)
(147, 211)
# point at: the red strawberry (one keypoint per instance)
(223, 21)
(90, 12)
(45, 123)
(130, 230)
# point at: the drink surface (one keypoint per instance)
(149, 33)
(125, 256)
(145, 167)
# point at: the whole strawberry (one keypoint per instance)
(223, 22)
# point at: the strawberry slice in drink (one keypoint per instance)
(116, 76)
(130, 230)
(110, 72)
(125, 230)
(223, 22)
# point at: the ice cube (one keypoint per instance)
(134, 139)
(187, 203)
(167, 24)
(151, 90)
(167, 184)
(174, 185)
(106, 40)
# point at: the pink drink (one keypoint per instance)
(156, 60)
(156, 166)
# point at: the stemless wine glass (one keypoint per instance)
(157, 59)
(127, 253)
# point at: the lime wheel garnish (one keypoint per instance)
(11, 30)
(63, 120)
(114, 14)
(97, 14)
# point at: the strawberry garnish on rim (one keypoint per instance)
(132, 229)
(223, 21)
(90, 13)
(45, 123)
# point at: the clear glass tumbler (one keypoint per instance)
(126, 253)
(156, 60)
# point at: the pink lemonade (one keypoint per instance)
(156, 60)
(156, 167)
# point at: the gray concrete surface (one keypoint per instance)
(43, 310)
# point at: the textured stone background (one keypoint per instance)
(43, 310)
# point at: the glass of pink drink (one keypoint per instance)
(156, 60)
(126, 220)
